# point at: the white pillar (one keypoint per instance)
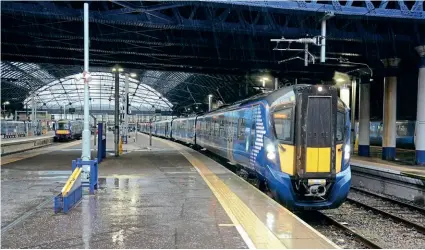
(390, 110)
(353, 112)
(364, 119)
(323, 46)
(344, 94)
(32, 107)
(420, 112)
(276, 83)
(86, 152)
(126, 109)
(210, 102)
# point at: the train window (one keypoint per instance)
(340, 126)
(241, 129)
(63, 125)
(283, 124)
(401, 130)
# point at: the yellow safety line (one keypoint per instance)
(25, 155)
(240, 214)
(71, 180)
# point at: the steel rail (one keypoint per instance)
(358, 236)
(411, 206)
(392, 216)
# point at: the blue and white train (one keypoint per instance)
(295, 141)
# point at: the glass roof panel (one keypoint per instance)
(70, 92)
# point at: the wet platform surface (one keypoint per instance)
(160, 197)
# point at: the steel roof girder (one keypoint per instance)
(336, 7)
(209, 26)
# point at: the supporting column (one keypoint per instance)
(32, 107)
(117, 112)
(353, 112)
(364, 119)
(420, 111)
(323, 46)
(276, 83)
(390, 109)
(86, 151)
(210, 98)
(126, 110)
(344, 94)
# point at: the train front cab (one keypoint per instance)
(63, 130)
(311, 169)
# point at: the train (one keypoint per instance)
(295, 142)
(405, 137)
(15, 129)
(68, 130)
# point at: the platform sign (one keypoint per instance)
(52, 117)
(71, 110)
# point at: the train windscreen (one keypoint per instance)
(283, 124)
(62, 126)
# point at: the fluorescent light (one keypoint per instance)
(339, 80)
(133, 75)
(120, 69)
(114, 69)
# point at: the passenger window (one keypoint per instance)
(241, 129)
(283, 124)
(340, 126)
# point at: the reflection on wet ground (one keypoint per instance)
(147, 199)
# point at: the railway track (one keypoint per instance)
(398, 211)
(348, 231)
(383, 197)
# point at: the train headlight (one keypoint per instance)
(271, 155)
(270, 149)
(347, 152)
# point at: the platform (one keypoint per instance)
(164, 196)
(13, 145)
(394, 178)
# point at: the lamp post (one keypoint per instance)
(117, 71)
(4, 107)
(263, 80)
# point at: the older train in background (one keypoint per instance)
(405, 137)
(295, 141)
(68, 130)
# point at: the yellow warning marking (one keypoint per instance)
(25, 155)
(226, 225)
(236, 209)
(70, 182)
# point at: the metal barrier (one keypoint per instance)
(72, 193)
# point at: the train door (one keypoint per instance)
(254, 137)
(230, 126)
(319, 139)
